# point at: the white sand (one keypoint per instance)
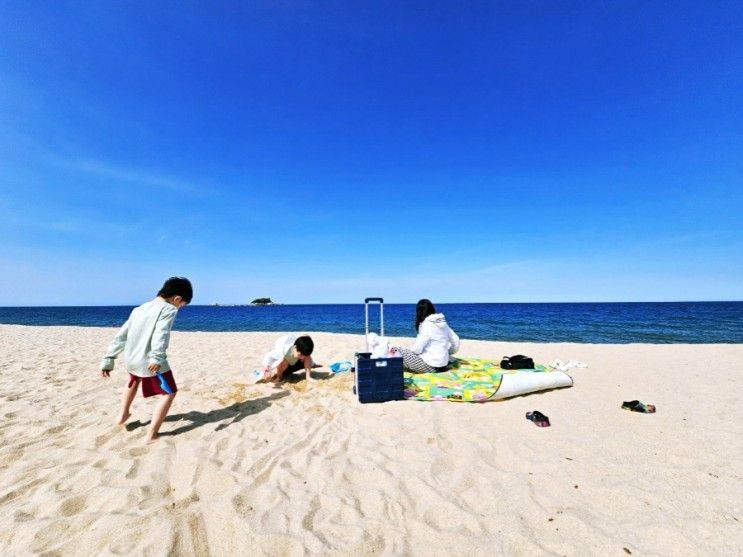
(256, 470)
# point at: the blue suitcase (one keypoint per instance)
(377, 379)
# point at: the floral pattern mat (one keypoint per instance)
(468, 380)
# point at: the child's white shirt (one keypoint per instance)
(144, 338)
(282, 349)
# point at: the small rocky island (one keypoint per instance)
(261, 302)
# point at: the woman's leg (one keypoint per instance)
(413, 362)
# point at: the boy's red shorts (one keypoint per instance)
(151, 385)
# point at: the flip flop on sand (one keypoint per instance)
(637, 406)
(538, 418)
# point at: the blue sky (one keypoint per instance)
(327, 151)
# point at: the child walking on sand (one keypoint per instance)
(144, 339)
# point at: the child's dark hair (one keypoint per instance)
(423, 309)
(304, 345)
(177, 286)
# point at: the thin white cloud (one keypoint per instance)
(68, 225)
(469, 283)
(130, 175)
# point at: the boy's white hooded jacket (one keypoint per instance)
(435, 341)
(144, 338)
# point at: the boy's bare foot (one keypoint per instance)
(151, 440)
(124, 418)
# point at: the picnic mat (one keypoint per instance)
(468, 380)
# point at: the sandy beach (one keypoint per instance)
(298, 470)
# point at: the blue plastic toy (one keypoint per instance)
(338, 367)
(164, 384)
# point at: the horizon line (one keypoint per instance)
(220, 304)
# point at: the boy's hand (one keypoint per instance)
(154, 368)
(105, 373)
(265, 375)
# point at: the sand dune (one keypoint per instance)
(297, 470)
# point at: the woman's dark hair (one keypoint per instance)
(304, 345)
(423, 310)
(177, 286)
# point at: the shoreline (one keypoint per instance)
(309, 470)
(403, 339)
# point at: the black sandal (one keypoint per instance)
(637, 406)
(539, 419)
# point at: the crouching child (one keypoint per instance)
(289, 354)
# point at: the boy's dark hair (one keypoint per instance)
(304, 345)
(177, 286)
(423, 309)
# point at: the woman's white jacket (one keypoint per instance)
(435, 341)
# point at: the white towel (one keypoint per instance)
(378, 346)
(564, 366)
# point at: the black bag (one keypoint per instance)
(517, 362)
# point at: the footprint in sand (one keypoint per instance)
(186, 502)
(197, 530)
(190, 537)
(50, 534)
(13, 454)
(133, 469)
(72, 506)
(440, 466)
(105, 438)
(137, 451)
(144, 498)
(19, 491)
(241, 505)
(22, 516)
(308, 522)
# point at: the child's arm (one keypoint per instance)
(308, 369)
(280, 369)
(114, 349)
(161, 338)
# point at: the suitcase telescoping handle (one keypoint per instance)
(366, 315)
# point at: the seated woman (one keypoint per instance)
(434, 343)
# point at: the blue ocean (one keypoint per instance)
(616, 323)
